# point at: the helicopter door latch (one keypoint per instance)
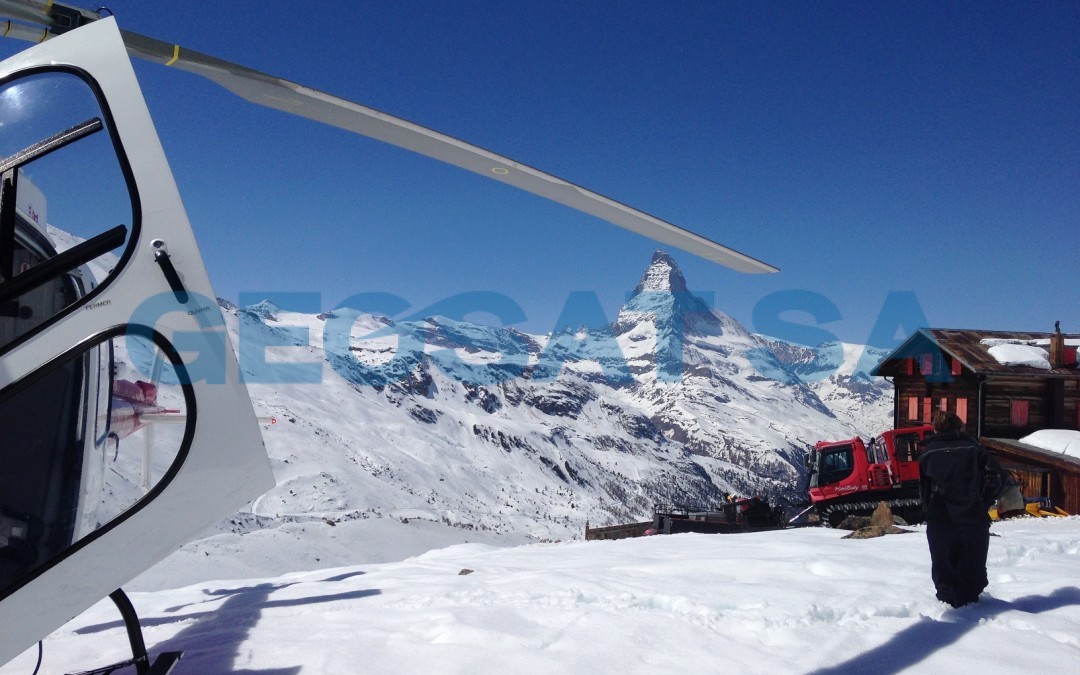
(161, 257)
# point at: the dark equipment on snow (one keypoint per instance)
(737, 515)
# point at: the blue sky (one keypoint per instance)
(929, 149)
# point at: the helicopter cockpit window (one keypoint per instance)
(66, 211)
(87, 440)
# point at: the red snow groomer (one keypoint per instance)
(851, 477)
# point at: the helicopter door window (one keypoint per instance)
(67, 213)
(87, 440)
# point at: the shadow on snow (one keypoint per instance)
(917, 642)
(212, 643)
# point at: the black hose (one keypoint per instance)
(40, 653)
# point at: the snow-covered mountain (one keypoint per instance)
(836, 372)
(441, 431)
(500, 434)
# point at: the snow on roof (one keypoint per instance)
(1018, 353)
(1065, 441)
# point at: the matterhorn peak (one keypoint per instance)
(662, 274)
(662, 295)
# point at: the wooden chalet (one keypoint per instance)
(1040, 472)
(1001, 398)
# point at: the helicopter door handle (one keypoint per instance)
(161, 257)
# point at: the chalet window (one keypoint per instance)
(961, 409)
(913, 408)
(1018, 413)
(926, 364)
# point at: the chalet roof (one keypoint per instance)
(1048, 457)
(971, 348)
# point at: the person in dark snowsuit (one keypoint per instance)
(951, 467)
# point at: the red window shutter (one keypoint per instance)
(926, 364)
(943, 404)
(1018, 413)
(927, 405)
(955, 369)
(961, 409)
(909, 368)
(913, 408)
(1070, 355)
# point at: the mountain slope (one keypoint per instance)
(395, 437)
(488, 434)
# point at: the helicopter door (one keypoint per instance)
(124, 427)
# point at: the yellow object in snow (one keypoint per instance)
(1036, 509)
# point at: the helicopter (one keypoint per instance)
(81, 325)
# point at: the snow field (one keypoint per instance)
(797, 601)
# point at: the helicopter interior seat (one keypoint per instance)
(42, 471)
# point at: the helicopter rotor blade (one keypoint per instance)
(296, 99)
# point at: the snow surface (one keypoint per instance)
(796, 601)
(1065, 441)
(1033, 353)
(1009, 354)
